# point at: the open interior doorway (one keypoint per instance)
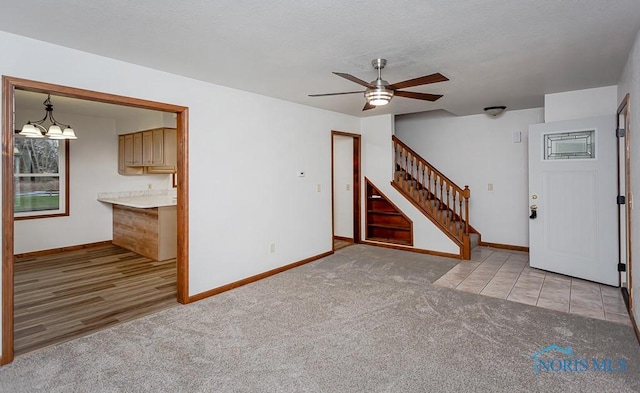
(346, 188)
(10, 85)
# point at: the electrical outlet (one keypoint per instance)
(348, 187)
(317, 187)
(149, 186)
(272, 248)
(490, 187)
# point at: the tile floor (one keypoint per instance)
(506, 274)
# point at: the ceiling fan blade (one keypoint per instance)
(335, 94)
(423, 80)
(418, 96)
(367, 106)
(354, 79)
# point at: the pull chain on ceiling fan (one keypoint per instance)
(380, 92)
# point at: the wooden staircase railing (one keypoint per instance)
(440, 199)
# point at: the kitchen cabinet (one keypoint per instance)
(164, 151)
(125, 156)
(152, 151)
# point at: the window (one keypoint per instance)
(569, 145)
(40, 178)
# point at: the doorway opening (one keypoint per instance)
(345, 188)
(9, 85)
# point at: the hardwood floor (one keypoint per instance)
(62, 296)
(338, 244)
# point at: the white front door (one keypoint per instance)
(573, 184)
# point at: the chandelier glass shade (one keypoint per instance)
(36, 129)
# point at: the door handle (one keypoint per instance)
(534, 212)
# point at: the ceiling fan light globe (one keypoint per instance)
(379, 96)
(379, 102)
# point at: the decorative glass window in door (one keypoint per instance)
(570, 145)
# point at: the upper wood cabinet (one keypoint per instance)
(125, 156)
(164, 154)
(151, 151)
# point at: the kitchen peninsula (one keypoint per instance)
(144, 222)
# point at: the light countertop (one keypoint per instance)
(140, 199)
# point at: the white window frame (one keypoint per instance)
(63, 179)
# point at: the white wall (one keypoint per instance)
(630, 84)
(343, 186)
(580, 104)
(377, 163)
(93, 168)
(244, 151)
(479, 150)
(147, 120)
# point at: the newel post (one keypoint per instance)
(467, 195)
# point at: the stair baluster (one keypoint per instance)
(429, 190)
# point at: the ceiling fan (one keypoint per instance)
(380, 92)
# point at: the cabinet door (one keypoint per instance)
(169, 153)
(121, 156)
(158, 147)
(125, 156)
(147, 148)
(137, 149)
(170, 147)
(128, 149)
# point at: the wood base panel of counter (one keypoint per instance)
(149, 232)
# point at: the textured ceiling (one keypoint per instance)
(495, 52)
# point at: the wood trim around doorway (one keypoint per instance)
(9, 85)
(357, 165)
(625, 107)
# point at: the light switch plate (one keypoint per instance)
(517, 137)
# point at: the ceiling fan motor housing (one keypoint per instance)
(379, 95)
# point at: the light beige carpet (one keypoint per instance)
(365, 319)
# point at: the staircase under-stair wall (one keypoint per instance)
(438, 198)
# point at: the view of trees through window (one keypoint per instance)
(36, 175)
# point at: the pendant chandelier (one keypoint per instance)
(35, 129)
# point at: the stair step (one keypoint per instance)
(389, 240)
(394, 227)
(386, 213)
